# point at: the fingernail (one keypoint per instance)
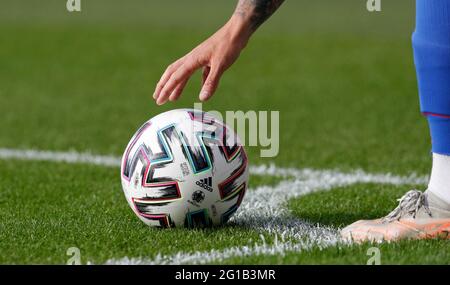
(204, 95)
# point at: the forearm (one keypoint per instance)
(249, 15)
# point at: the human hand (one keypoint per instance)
(214, 55)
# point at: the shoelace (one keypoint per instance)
(409, 204)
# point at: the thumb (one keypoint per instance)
(211, 83)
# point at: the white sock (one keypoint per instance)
(440, 177)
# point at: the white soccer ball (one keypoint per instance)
(184, 168)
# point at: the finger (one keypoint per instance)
(211, 84)
(183, 73)
(178, 90)
(166, 76)
(205, 73)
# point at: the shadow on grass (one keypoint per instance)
(345, 205)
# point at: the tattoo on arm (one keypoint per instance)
(257, 11)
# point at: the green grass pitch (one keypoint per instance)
(342, 78)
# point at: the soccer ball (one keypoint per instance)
(184, 168)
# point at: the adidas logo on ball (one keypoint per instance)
(205, 183)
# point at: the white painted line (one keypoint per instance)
(355, 176)
(58, 156)
(213, 255)
(261, 170)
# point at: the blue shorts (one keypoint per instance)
(431, 43)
